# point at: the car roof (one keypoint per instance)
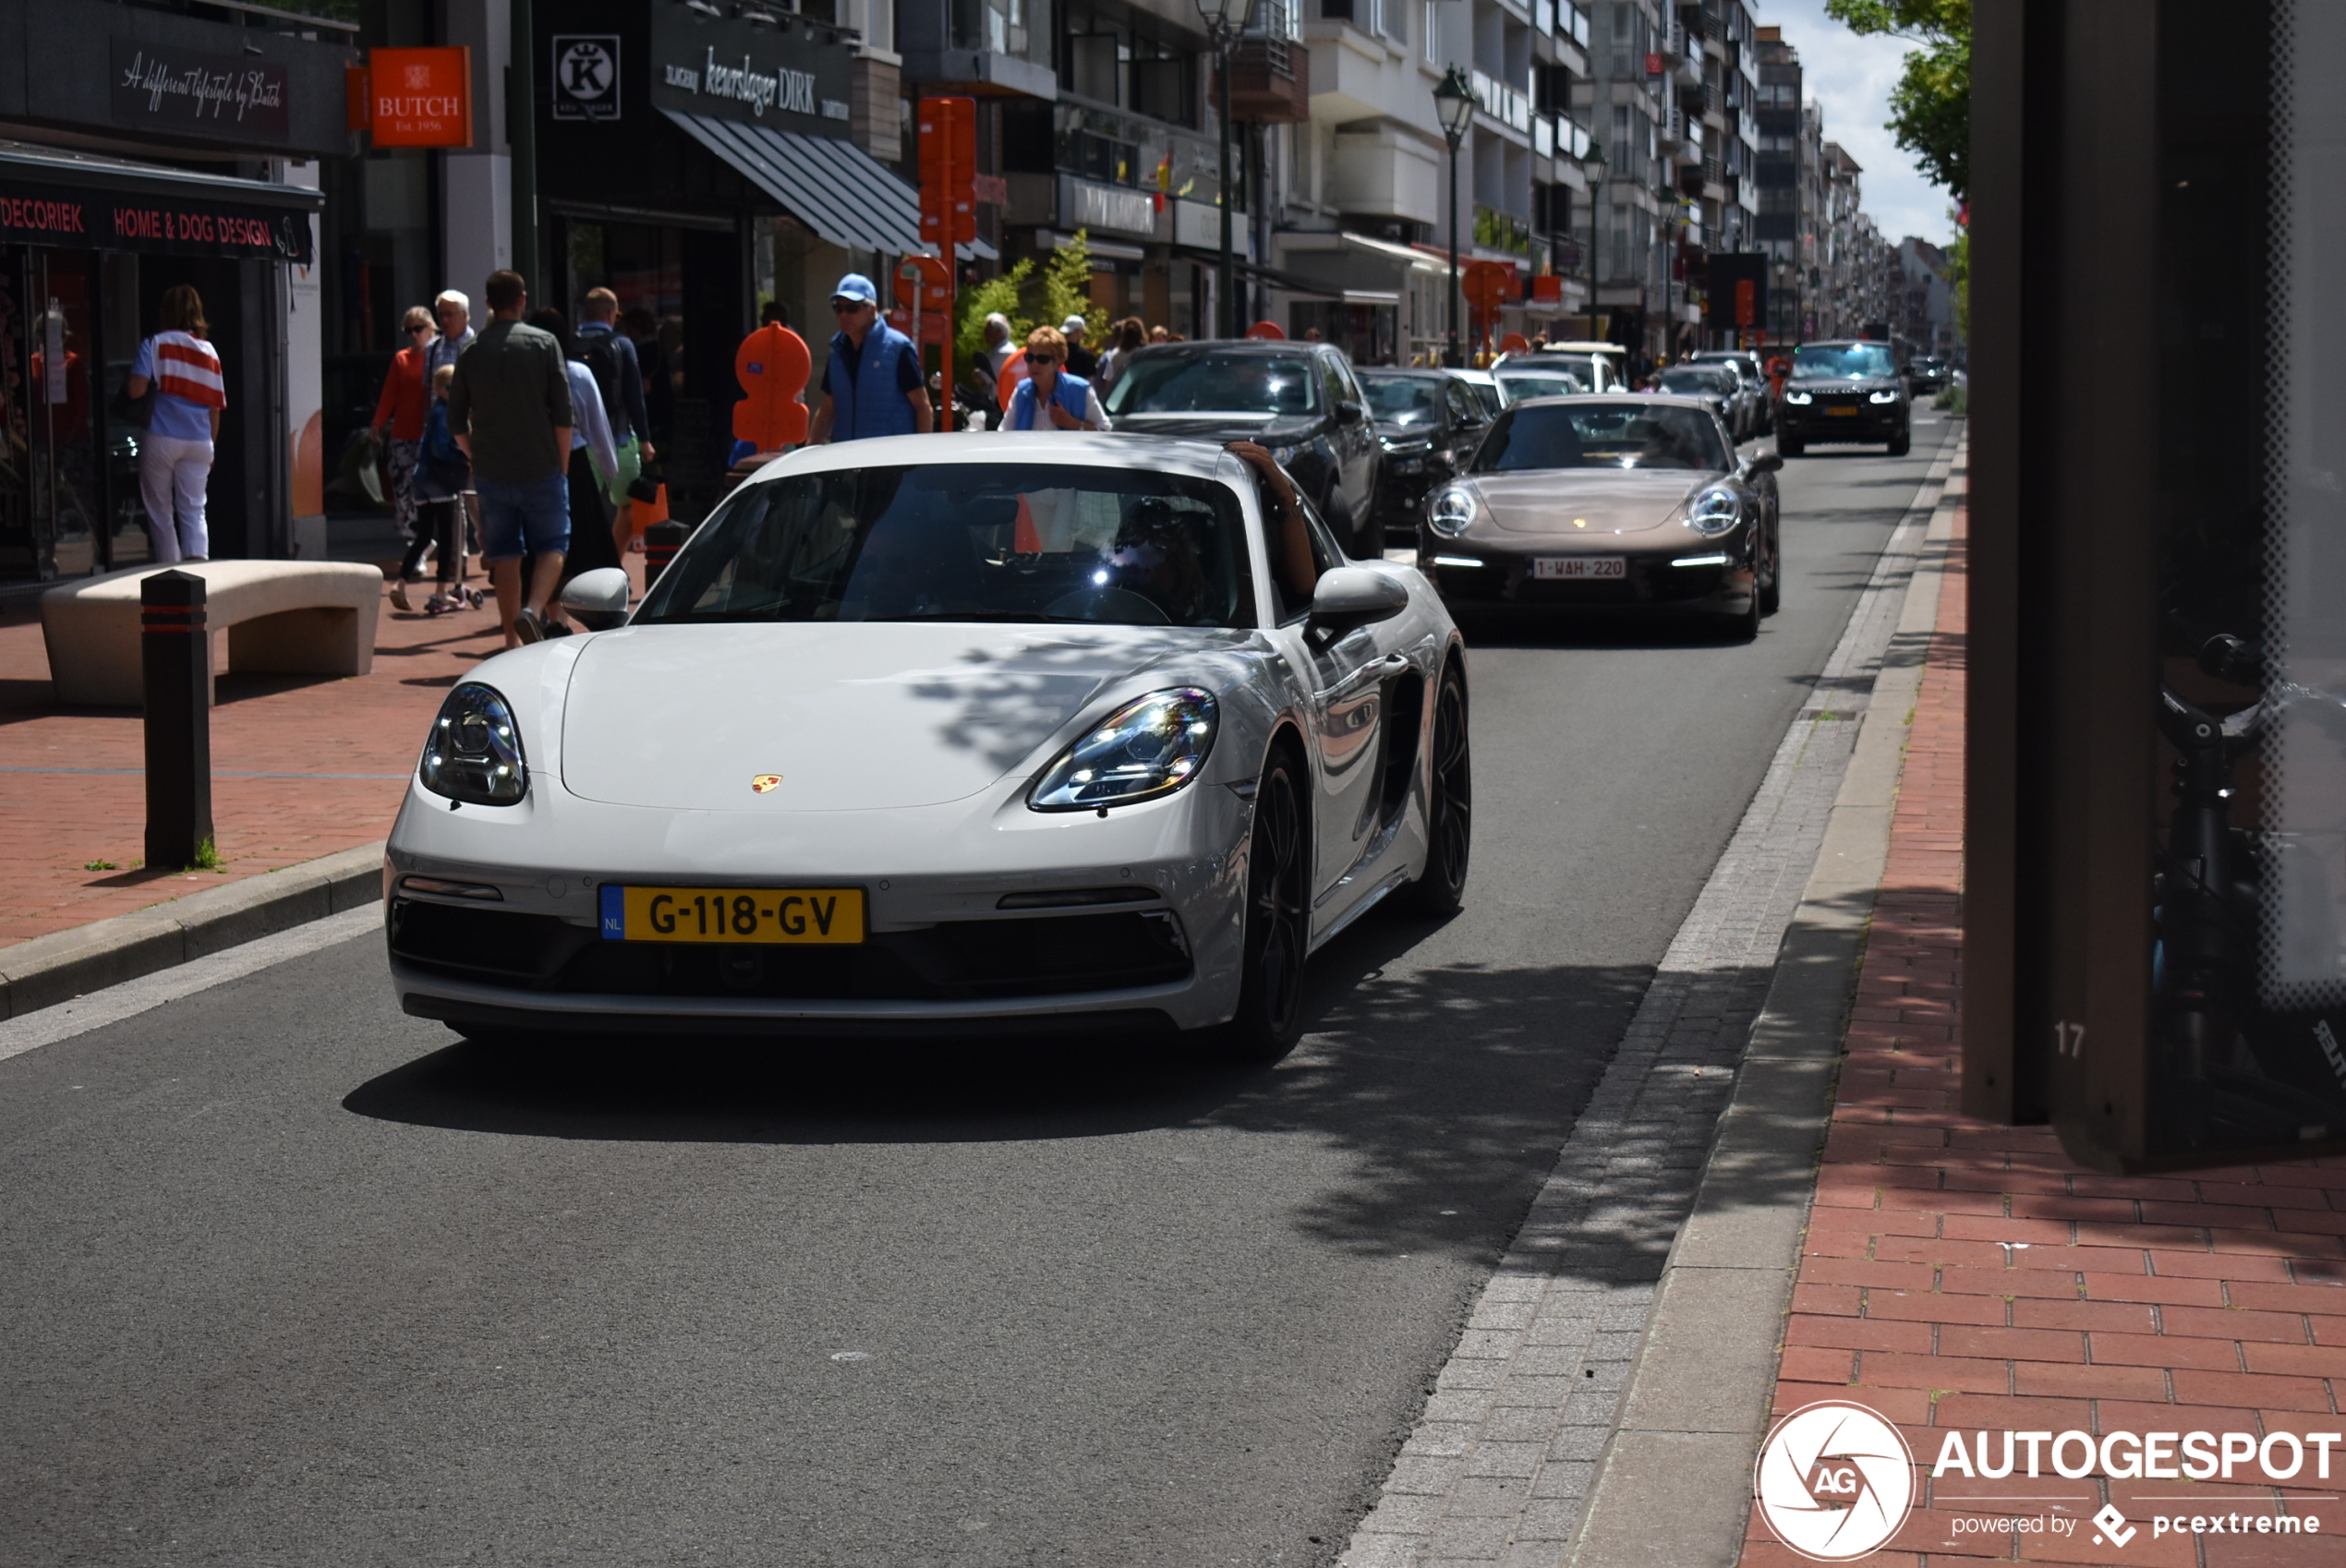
(1268, 348)
(1405, 372)
(1169, 454)
(1467, 375)
(1663, 400)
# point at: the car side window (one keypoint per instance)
(1465, 407)
(1325, 555)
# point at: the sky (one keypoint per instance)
(1850, 78)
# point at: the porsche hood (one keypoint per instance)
(1607, 501)
(861, 717)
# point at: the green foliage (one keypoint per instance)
(99, 865)
(1067, 282)
(207, 857)
(1955, 400)
(976, 304)
(1930, 107)
(1959, 280)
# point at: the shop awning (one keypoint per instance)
(833, 187)
(56, 196)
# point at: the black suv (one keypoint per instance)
(1299, 399)
(1430, 423)
(1844, 392)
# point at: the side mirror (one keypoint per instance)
(1351, 597)
(597, 598)
(1764, 463)
(1348, 412)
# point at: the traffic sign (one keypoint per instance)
(948, 161)
(1489, 284)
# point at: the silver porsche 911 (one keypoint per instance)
(945, 734)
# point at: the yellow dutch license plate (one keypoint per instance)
(733, 914)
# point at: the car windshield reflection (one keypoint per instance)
(1520, 387)
(1042, 542)
(1602, 435)
(1840, 361)
(1215, 383)
(1401, 400)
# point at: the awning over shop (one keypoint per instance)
(833, 187)
(52, 196)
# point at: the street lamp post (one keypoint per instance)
(1595, 166)
(1224, 20)
(1454, 102)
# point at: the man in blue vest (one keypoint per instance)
(1067, 403)
(872, 384)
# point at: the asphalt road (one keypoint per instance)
(287, 1277)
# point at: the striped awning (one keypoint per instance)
(831, 186)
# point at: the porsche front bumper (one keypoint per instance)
(1713, 577)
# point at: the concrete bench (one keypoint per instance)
(280, 617)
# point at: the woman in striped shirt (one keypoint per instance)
(174, 455)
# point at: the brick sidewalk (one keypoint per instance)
(1961, 1276)
(72, 792)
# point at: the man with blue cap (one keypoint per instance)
(872, 385)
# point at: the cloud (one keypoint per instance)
(1850, 78)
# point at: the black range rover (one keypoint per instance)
(1843, 391)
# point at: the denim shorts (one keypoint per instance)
(525, 519)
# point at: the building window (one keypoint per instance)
(1426, 17)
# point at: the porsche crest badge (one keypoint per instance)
(764, 783)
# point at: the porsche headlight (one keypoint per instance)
(1714, 512)
(1799, 397)
(1144, 749)
(1453, 511)
(474, 752)
(1890, 396)
(1283, 455)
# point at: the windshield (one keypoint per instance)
(1602, 435)
(1488, 394)
(1215, 383)
(1833, 361)
(1402, 400)
(990, 541)
(1698, 383)
(1523, 384)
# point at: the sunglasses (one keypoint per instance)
(419, 327)
(849, 306)
(1042, 358)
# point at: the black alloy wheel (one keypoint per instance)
(1901, 441)
(1440, 890)
(1771, 586)
(1279, 929)
(1743, 625)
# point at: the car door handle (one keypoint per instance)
(1384, 668)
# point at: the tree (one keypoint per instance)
(976, 304)
(1067, 280)
(1930, 107)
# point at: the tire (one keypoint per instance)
(1440, 890)
(1742, 626)
(1901, 442)
(1771, 596)
(1278, 922)
(1789, 446)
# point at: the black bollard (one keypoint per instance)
(177, 659)
(661, 541)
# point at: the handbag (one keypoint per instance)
(645, 486)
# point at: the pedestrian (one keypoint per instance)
(509, 408)
(399, 414)
(773, 313)
(593, 460)
(872, 384)
(620, 377)
(1130, 335)
(1158, 333)
(1081, 360)
(174, 455)
(1068, 401)
(453, 310)
(441, 479)
(643, 330)
(997, 351)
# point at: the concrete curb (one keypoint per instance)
(66, 964)
(1674, 1485)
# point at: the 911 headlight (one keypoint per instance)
(1453, 512)
(1883, 397)
(474, 753)
(1714, 512)
(1283, 455)
(1799, 397)
(1144, 749)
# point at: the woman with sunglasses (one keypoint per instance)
(401, 410)
(1067, 402)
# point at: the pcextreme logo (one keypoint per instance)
(1835, 1482)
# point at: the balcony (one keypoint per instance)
(1270, 80)
(1503, 102)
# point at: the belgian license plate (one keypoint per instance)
(1843, 413)
(733, 914)
(1581, 568)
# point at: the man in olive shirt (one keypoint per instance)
(509, 409)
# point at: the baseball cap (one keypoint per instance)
(1073, 324)
(855, 286)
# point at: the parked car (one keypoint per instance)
(1635, 502)
(1429, 421)
(1302, 400)
(1486, 389)
(1760, 399)
(1847, 390)
(1927, 373)
(1076, 731)
(1718, 388)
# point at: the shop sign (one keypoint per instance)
(733, 70)
(586, 78)
(182, 90)
(176, 225)
(420, 97)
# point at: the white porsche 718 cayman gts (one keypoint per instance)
(938, 734)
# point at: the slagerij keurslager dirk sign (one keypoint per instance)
(204, 94)
(736, 72)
